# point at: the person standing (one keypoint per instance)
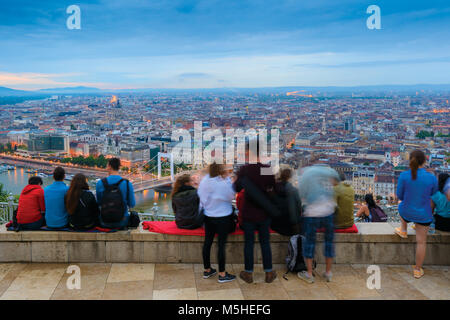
(440, 205)
(317, 194)
(81, 204)
(115, 196)
(345, 200)
(31, 209)
(56, 215)
(253, 216)
(415, 188)
(216, 194)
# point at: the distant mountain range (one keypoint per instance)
(8, 92)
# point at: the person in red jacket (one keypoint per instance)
(30, 213)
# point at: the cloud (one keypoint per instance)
(195, 75)
(29, 80)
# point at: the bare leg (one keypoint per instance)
(421, 244)
(329, 262)
(404, 225)
(309, 263)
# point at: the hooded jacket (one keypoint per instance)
(185, 205)
(31, 204)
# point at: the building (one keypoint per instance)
(134, 156)
(363, 182)
(384, 186)
(47, 143)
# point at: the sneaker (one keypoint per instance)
(227, 278)
(270, 276)
(246, 276)
(327, 276)
(305, 276)
(209, 274)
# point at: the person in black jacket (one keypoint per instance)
(81, 204)
(185, 204)
(288, 201)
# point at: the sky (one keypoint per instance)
(222, 43)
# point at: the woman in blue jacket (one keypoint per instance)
(415, 188)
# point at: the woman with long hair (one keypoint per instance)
(81, 204)
(365, 209)
(415, 188)
(216, 194)
(440, 205)
(185, 204)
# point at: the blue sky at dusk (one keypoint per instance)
(222, 43)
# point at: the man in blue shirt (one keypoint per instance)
(56, 215)
(129, 201)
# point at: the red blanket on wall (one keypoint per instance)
(169, 227)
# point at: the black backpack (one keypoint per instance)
(294, 259)
(112, 207)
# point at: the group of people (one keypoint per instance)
(59, 206)
(323, 200)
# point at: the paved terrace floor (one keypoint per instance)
(184, 281)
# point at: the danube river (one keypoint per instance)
(15, 180)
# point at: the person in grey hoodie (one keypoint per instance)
(316, 192)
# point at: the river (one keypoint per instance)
(15, 180)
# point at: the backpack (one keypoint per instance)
(112, 207)
(378, 214)
(294, 259)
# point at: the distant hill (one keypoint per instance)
(7, 92)
(337, 90)
(79, 89)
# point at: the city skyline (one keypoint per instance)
(217, 44)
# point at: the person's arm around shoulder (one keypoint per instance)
(364, 210)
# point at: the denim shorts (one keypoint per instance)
(310, 226)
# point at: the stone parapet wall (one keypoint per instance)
(375, 243)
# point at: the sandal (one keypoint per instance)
(400, 233)
(418, 273)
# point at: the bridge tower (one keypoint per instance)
(170, 157)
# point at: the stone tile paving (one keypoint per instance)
(184, 281)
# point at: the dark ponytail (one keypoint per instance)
(416, 159)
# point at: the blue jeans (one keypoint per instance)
(32, 226)
(310, 226)
(264, 240)
(115, 225)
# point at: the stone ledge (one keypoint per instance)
(375, 243)
(368, 232)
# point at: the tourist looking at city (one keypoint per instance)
(317, 195)
(185, 204)
(288, 202)
(81, 204)
(446, 190)
(371, 212)
(56, 215)
(253, 215)
(440, 205)
(115, 196)
(216, 195)
(345, 199)
(415, 188)
(31, 208)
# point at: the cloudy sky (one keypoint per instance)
(222, 43)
